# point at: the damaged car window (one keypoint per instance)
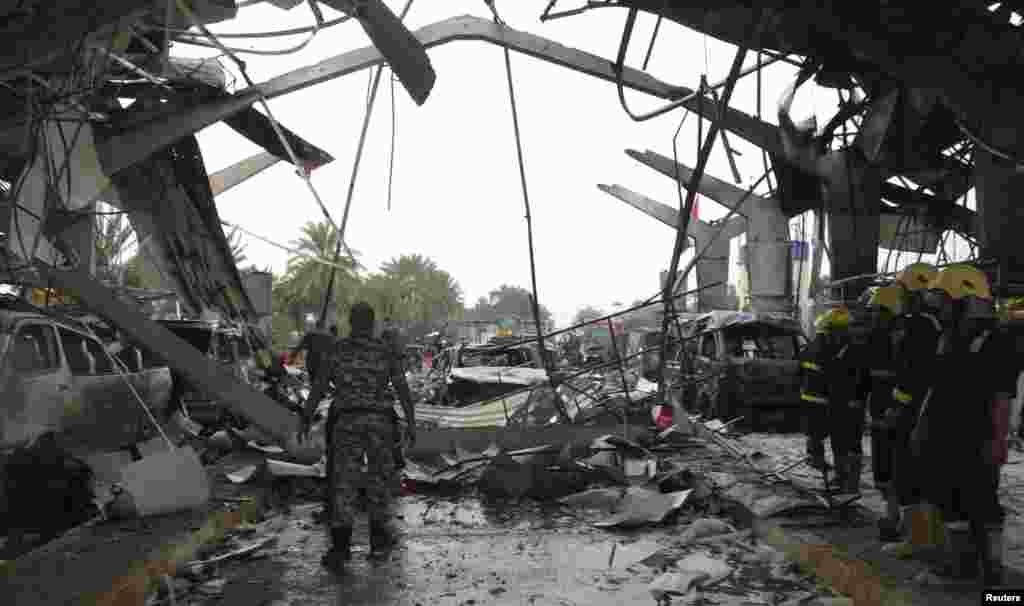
(75, 352)
(99, 355)
(760, 343)
(34, 349)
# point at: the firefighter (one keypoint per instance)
(884, 307)
(835, 388)
(815, 388)
(917, 335)
(963, 418)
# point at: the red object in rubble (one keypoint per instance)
(663, 420)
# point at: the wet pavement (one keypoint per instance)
(464, 552)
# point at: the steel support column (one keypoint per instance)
(852, 195)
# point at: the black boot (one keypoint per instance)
(341, 547)
(382, 539)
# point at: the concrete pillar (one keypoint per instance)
(852, 199)
(768, 258)
(1000, 190)
(714, 267)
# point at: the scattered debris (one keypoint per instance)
(705, 527)
(644, 506)
(166, 482)
(296, 470)
(697, 570)
(243, 475)
(238, 553)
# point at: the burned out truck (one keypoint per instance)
(743, 363)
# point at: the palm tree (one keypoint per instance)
(304, 283)
(425, 293)
(234, 238)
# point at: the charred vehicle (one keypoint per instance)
(58, 378)
(743, 363)
(474, 374)
(225, 345)
(63, 399)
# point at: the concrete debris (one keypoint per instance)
(643, 506)
(605, 499)
(697, 570)
(243, 475)
(169, 481)
(282, 469)
(705, 527)
(765, 501)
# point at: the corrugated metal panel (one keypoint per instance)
(486, 414)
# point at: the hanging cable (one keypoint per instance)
(654, 36)
(287, 249)
(189, 38)
(304, 174)
(391, 155)
(281, 33)
(535, 301)
(619, 66)
(355, 173)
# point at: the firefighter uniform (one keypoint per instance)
(850, 384)
(833, 386)
(960, 423)
(814, 392)
(886, 335)
(914, 337)
(916, 350)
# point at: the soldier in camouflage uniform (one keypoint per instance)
(361, 424)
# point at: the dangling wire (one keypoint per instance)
(391, 158)
(535, 302)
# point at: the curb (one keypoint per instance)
(843, 573)
(131, 589)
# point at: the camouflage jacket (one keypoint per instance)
(362, 368)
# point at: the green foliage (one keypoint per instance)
(506, 302)
(234, 238)
(587, 314)
(410, 289)
(301, 289)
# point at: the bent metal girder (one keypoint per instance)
(163, 127)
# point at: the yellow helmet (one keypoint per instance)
(838, 317)
(889, 297)
(961, 280)
(916, 276)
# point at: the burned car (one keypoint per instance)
(64, 399)
(57, 377)
(475, 374)
(743, 363)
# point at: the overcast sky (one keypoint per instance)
(456, 193)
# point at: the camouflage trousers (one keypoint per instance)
(358, 441)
